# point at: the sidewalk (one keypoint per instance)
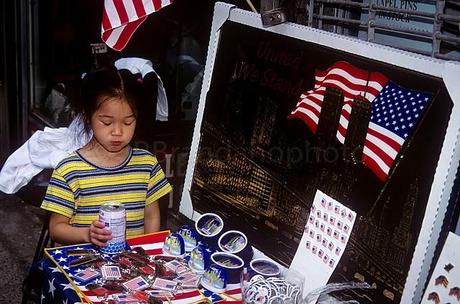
(20, 229)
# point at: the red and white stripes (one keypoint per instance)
(121, 18)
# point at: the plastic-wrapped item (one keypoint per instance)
(271, 290)
(322, 295)
(257, 289)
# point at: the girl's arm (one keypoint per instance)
(62, 232)
(152, 218)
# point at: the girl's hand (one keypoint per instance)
(98, 234)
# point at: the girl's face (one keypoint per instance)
(113, 124)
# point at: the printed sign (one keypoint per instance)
(403, 20)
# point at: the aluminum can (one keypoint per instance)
(113, 215)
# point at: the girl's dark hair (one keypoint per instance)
(104, 84)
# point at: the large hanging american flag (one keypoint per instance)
(121, 18)
(395, 112)
(343, 76)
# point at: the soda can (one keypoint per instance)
(113, 216)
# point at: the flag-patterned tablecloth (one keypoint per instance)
(60, 287)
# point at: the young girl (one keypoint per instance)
(107, 169)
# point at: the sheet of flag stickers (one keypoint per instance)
(326, 234)
(140, 274)
(328, 228)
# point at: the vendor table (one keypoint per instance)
(59, 287)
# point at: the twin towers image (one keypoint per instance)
(365, 111)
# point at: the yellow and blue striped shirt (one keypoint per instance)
(78, 188)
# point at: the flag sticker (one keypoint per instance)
(138, 283)
(337, 250)
(162, 294)
(332, 220)
(86, 275)
(323, 202)
(187, 276)
(322, 226)
(336, 234)
(163, 284)
(314, 249)
(173, 265)
(318, 237)
(111, 272)
(320, 253)
(331, 263)
(125, 298)
(339, 225)
(191, 283)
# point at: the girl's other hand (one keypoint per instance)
(98, 234)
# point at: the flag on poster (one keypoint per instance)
(353, 82)
(121, 18)
(395, 113)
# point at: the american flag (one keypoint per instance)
(395, 113)
(343, 76)
(121, 18)
(58, 288)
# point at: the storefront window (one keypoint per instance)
(61, 33)
(65, 42)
